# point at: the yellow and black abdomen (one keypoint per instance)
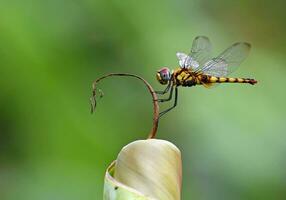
(205, 79)
(188, 78)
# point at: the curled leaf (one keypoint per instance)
(151, 168)
(114, 190)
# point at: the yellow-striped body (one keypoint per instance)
(188, 78)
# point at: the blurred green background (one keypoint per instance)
(232, 138)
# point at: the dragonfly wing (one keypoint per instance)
(183, 59)
(216, 67)
(201, 50)
(228, 61)
(198, 56)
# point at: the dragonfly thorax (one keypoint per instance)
(164, 75)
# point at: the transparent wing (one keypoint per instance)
(183, 59)
(228, 61)
(200, 53)
(201, 50)
(186, 61)
(215, 67)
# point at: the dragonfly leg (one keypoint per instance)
(170, 96)
(166, 89)
(175, 104)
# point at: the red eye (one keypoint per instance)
(165, 74)
(164, 70)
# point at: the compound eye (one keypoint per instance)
(164, 76)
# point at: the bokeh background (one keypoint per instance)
(232, 137)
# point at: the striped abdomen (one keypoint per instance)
(204, 79)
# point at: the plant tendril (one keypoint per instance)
(153, 131)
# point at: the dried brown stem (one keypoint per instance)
(153, 131)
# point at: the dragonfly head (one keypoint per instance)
(164, 75)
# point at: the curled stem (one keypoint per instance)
(153, 131)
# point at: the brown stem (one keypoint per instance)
(153, 131)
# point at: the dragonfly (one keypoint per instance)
(200, 68)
